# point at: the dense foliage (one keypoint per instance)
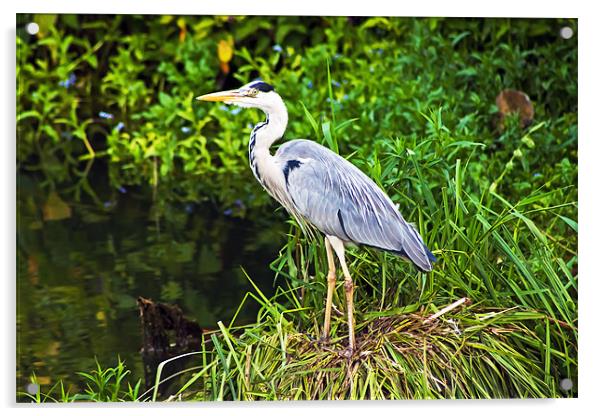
(412, 103)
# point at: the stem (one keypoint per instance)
(445, 310)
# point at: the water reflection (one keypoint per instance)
(78, 278)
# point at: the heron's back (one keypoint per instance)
(340, 200)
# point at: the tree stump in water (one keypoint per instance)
(166, 333)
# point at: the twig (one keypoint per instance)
(445, 310)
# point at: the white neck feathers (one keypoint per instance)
(265, 134)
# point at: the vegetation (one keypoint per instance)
(409, 101)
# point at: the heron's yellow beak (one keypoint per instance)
(226, 96)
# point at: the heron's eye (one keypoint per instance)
(252, 92)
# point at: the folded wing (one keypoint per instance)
(340, 200)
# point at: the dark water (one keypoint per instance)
(78, 278)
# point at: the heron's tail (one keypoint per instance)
(414, 249)
(430, 255)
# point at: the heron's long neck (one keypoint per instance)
(263, 136)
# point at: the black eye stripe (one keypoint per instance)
(262, 86)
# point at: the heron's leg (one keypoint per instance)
(339, 248)
(331, 280)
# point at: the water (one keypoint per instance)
(78, 278)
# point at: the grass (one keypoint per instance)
(476, 352)
(102, 385)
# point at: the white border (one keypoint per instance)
(590, 137)
(457, 8)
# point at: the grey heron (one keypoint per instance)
(321, 189)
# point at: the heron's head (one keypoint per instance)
(257, 94)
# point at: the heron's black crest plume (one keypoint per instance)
(262, 86)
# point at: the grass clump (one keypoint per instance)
(476, 352)
(108, 384)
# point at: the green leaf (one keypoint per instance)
(27, 114)
(571, 223)
(92, 60)
(457, 38)
(342, 126)
(51, 132)
(165, 100)
(330, 140)
(311, 120)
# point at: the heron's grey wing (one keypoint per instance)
(340, 200)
